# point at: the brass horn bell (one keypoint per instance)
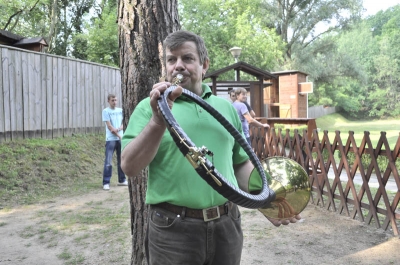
(291, 184)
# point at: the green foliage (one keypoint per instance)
(225, 24)
(386, 97)
(362, 79)
(80, 47)
(102, 37)
(22, 17)
(69, 20)
(339, 79)
(285, 128)
(62, 23)
(299, 23)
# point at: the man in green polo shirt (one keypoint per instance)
(178, 232)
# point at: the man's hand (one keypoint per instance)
(278, 222)
(113, 130)
(286, 213)
(155, 94)
(144, 147)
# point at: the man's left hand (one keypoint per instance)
(279, 222)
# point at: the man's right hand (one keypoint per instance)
(143, 148)
(155, 94)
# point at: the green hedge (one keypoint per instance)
(300, 129)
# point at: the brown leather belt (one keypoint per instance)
(205, 214)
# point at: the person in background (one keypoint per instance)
(244, 114)
(232, 96)
(189, 222)
(112, 117)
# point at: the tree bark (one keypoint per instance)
(53, 19)
(143, 25)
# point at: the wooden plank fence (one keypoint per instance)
(46, 96)
(333, 164)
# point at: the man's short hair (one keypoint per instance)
(110, 96)
(175, 40)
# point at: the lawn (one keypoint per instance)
(336, 122)
(33, 170)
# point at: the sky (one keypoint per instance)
(371, 8)
(374, 6)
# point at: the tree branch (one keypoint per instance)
(18, 13)
(11, 17)
(34, 6)
(320, 34)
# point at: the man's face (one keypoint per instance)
(232, 96)
(112, 102)
(185, 60)
(242, 97)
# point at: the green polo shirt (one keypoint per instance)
(171, 177)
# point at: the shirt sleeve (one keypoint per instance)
(243, 109)
(138, 120)
(105, 115)
(239, 155)
(248, 106)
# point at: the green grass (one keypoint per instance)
(34, 170)
(336, 122)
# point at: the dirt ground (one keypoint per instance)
(63, 232)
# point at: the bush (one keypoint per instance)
(284, 127)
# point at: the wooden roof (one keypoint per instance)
(8, 37)
(16, 40)
(243, 67)
(26, 41)
(289, 72)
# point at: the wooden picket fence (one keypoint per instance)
(334, 167)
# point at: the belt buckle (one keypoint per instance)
(205, 214)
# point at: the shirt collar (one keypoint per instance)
(206, 93)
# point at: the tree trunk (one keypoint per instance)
(53, 19)
(143, 25)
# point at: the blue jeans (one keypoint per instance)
(112, 146)
(173, 239)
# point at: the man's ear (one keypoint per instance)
(206, 64)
